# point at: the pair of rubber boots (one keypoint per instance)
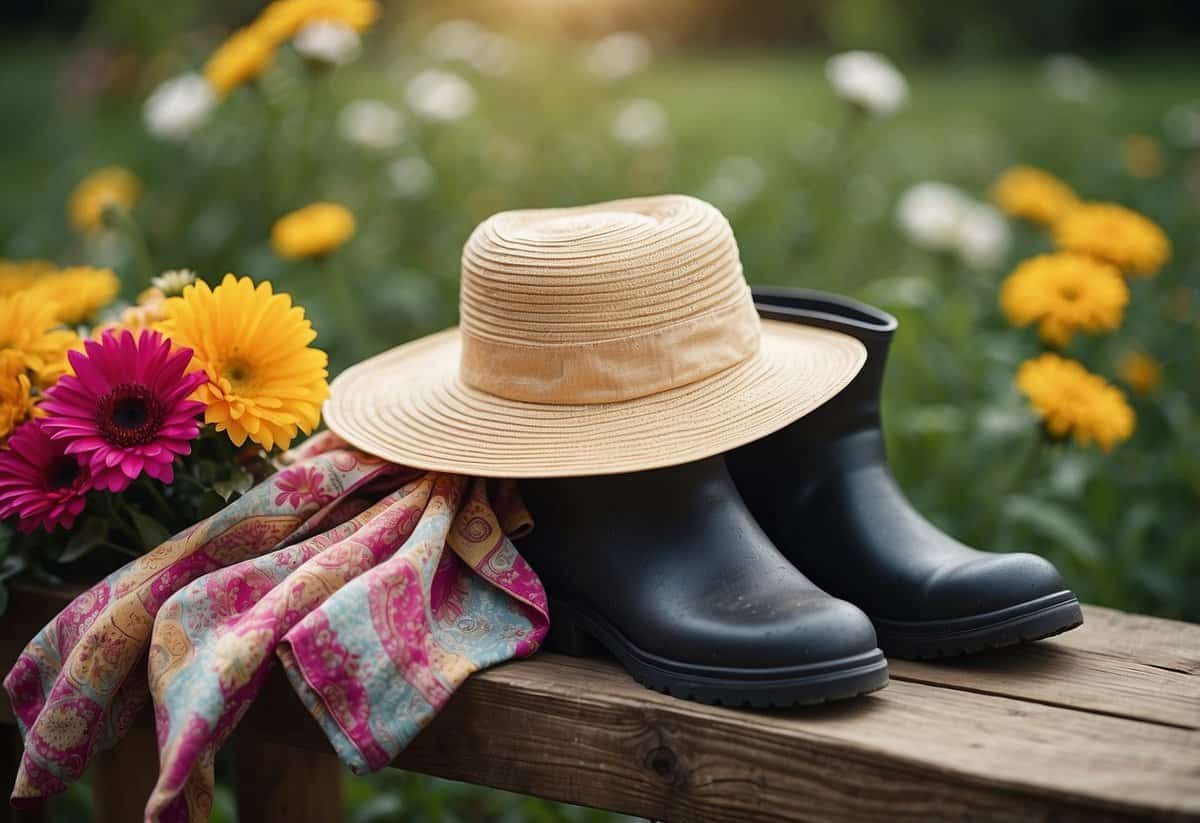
(779, 573)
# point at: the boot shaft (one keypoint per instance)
(857, 406)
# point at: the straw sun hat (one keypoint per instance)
(609, 338)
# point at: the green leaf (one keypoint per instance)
(150, 531)
(237, 483)
(1057, 524)
(90, 535)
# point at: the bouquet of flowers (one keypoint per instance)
(122, 425)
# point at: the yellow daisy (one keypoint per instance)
(1073, 402)
(109, 186)
(1064, 293)
(1141, 372)
(1114, 233)
(1028, 192)
(28, 332)
(265, 382)
(16, 275)
(77, 292)
(16, 399)
(242, 57)
(281, 20)
(312, 231)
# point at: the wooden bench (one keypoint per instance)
(1102, 723)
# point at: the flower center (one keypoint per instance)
(129, 415)
(1068, 292)
(238, 372)
(62, 473)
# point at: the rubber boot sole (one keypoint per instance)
(1033, 620)
(577, 632)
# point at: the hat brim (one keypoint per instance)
(408, 406)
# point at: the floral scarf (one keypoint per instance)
(338, 567)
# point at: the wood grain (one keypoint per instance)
(1116, 664)
(583, 731)
(1099, 724)
(124, 776)
(1166, 644)
(281, 784)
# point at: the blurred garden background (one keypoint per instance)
(438, 114)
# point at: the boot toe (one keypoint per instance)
(780, 635)
(990, 583)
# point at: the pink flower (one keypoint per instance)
(40, 483)
(300, 485)
(125, 409)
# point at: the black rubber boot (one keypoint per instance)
(669, 572)
(822, 491)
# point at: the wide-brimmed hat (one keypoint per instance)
(593, 340)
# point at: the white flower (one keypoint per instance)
(440, 95)
(173, 281)
(469, 42)
(737, 181)
(619, 55)
(495, 56)
(983, 237)
(328, 42)
(371, 123)
(1182, 124)
(456, 40)
(940, 217)
(867, 79)
(639, 123)
(1070, 78)
(930, 213)
(179, 106)
(411, 177)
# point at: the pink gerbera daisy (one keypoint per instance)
(125, 409)
(40, 483)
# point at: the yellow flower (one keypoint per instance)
(1064, 293)
(1071, 401)
(16, 275)
(312, 231)
(77, 292)
(1142, 156)
(281, 20)
(109, 186)
(265, 382)
(242, 57)
(1024, 191)
(16, 400)
(1133, 243)
(1141, 372)
(28, 332)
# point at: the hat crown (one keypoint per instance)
(603, 303)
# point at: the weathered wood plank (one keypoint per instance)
(583, 731)
(1117, 664)
(281, 784)
(1166, 644)
(124, 776)
(1049, 731)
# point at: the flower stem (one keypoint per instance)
(350, 320)
(122, 221)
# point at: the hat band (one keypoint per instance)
(609, 371)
